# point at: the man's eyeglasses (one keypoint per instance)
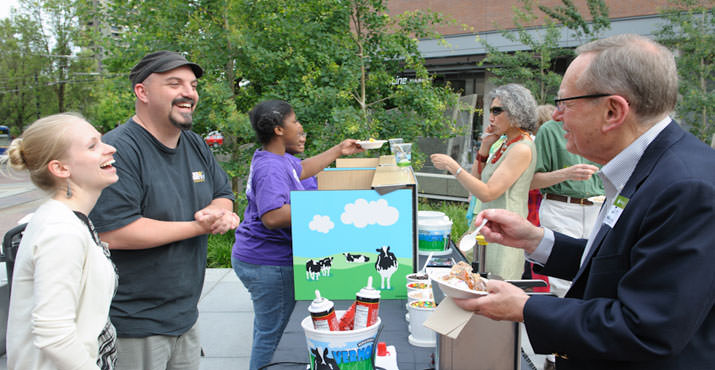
(495, 111)
(302, 134)
(559, 102)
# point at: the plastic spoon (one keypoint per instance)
(467, 242)
(424, 268)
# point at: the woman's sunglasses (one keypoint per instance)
(495, 111)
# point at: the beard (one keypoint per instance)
(187, 120)
(185, 124)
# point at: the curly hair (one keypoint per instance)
(266, 115)
(518, 103)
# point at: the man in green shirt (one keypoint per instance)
(566, 183)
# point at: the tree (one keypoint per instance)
(569, 16)
(127, 30)
(534, 66)
(304, 52)
(24, 96)
(43, 69)
(690, 33)
(337, 63)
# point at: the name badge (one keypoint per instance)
(198, 176)
(615, 211)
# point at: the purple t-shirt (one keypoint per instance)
(270, 181)
(308, 184)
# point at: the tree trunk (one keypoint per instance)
(37, 96)
(61, 85)
(704, 90)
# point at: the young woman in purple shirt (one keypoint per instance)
(262, 255)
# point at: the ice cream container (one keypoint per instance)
(418, 286)
(426, 215)
(352, 349)
(420, 295)
(433, 235)
(417, 277)
(420, 335)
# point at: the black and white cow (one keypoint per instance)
(325, 265)
(312, 269)
(324, 362)
(386, 265)
(355, 258)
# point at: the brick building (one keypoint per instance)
(457, 63)
(486, 18)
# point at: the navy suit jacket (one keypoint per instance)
(643, 298)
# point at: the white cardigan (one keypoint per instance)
(61, 291)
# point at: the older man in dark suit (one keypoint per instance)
(643, 283)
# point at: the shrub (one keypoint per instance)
(456, 211)
(219, 252)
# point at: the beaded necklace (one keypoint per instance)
(506, 144)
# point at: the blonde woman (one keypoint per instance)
(63, 280)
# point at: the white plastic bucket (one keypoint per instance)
(420, 295)
(417, 295)
(420, 286)
(413, 278)
(353, 347)
(433, 235)
(426, 215)
(420, 335)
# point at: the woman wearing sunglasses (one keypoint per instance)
(504, 182)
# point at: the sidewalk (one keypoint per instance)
(225, 322)
(18, 197)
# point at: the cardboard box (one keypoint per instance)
(358, 216)
(466, 339)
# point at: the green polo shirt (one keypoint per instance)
(552, 155)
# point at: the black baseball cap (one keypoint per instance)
(161, 61)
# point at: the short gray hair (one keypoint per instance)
(635, 67)
(518, 102)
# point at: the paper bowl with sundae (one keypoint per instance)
(460, 282)
(371, 143)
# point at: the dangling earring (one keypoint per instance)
(69, 191)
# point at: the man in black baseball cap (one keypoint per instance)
(161, 61)
(171, 193)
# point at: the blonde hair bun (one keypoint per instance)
(15, 157)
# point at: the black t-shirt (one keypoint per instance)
(159, 288)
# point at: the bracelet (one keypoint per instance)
(458, 171)
(482, 158)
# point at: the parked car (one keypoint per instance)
(5, 138)
(214, 139)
